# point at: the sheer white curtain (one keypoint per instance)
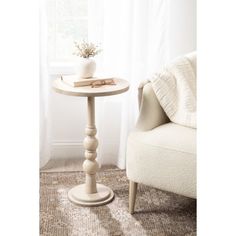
(133, 36)
(45, 128)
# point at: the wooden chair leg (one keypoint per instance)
(132, 195)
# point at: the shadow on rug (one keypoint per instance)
(157, 212)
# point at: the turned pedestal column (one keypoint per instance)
(90, 193)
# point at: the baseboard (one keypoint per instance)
(67, 149)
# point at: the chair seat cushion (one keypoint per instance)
(164, 157)
(169, 136)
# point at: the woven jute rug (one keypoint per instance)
(156, 212)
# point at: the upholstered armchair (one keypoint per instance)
(160, 153)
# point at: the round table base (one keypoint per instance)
(78, 196)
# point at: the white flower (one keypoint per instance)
(86, 50)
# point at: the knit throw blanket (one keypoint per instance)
(175, 88)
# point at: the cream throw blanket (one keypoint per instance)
(175, 88)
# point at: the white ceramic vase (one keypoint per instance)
(85, 68)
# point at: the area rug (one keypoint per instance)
(157, 213)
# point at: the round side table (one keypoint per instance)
(90, 193)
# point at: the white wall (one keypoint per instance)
(69, 113)
(68, 122)
(182, 31)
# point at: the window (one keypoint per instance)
(67, 22)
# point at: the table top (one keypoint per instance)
(87, 91)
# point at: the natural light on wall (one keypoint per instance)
(67, 22)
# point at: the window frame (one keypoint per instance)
(56, 65)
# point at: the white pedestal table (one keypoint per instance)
(90, 193)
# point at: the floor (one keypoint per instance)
(157, 213)
(62, 165)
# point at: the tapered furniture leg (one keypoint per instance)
(132, 195)
(90, 193)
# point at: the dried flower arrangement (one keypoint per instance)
(86, 49)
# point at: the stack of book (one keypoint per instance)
(73, 81)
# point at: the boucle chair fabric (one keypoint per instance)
(160, 153)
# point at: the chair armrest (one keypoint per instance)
(151, 113)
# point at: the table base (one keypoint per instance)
(78, 196)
